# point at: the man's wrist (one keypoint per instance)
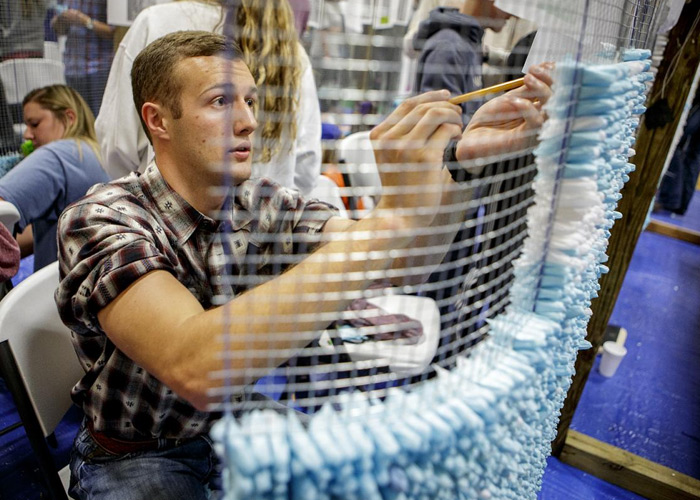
(458, 173)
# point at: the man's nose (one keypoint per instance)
(244, 122)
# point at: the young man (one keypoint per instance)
(144, 266)
(450, 47)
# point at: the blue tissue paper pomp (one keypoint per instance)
(473, 433)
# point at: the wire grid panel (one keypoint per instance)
(356, 65)
(396, 307)
(362, 345)
(512, 291)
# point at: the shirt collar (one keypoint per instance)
(181, 217)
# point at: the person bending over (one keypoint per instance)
(142, 260)
(64, 165)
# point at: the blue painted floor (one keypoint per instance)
(563, 482)
(650, 407)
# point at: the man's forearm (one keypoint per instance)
(427, 251)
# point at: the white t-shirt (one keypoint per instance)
(125, 147)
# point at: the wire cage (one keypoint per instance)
(520, 271)
(427, 360)
(357, 75)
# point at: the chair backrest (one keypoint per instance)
(356, 158)
(41, 345)
(20, 76)
(9, 215)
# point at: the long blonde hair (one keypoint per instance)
(268, 38)
(31, 7)
(60, 98)
(266, 33)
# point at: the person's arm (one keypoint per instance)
(25, 240)
(9, 254)
(33, 186)
(123, 142)
(62, 22)
(159, 324)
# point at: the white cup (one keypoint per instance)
(612, 355)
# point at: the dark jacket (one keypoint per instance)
(449, 44)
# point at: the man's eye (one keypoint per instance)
(221, 101)
(251, 102)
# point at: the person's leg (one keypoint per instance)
(183, 472)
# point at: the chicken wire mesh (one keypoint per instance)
(463, 294)
(357, 71)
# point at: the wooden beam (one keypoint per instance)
(652, 148)
(678, 232)
(626, 470)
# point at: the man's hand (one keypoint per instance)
(508, 123)
(408, 147)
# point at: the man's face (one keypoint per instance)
(214, 131)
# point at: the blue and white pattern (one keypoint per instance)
(482, 430)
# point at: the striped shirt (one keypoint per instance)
(124, 229)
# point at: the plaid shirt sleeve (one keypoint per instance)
(104, 245)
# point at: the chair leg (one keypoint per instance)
(10, 372)
(10, 428)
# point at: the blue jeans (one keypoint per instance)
(188, 471)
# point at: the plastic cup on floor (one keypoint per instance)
(612, 355)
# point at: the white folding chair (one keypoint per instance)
(9, 215)
(20, 76)
(356, 160)
(39, 365)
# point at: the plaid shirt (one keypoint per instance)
(87, 53)
(129, 227)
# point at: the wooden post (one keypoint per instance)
(631, 472)
(652, 149)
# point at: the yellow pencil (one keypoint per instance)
(501, 87)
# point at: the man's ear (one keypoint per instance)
(155, 118)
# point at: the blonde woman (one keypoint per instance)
(288, 147)
(64, 165)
